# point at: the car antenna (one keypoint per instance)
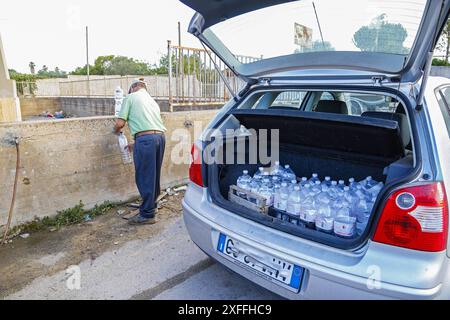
(318, 23)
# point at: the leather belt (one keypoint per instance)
(144, 133)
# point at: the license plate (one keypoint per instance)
(271, 268)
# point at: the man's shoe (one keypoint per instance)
(132, 214)
(140, 220)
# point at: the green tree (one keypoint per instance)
(317, 46)
(381, 36)
(116, 65)
(32, 66)
(46, 73)
(443, 44)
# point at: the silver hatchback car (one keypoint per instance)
(346, 99)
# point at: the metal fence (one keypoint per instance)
(193, 78)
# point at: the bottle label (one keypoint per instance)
(344, 229)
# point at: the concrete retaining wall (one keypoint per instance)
(90, 107)
(70, 160)
(32, 106)
(440, 71)
(9, 109)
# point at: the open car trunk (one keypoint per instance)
(338, 146)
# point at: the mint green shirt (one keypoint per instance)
(141, 112)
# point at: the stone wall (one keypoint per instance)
(65, 161)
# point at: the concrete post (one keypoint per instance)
(9, 102)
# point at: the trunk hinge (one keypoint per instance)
(265, 81)
(222, 76)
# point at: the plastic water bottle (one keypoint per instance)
(351, 183)
(363, 210)
(306, 191)
(375, 190)
(362, 192)
(327, 181)
(294, 202)
(255, 184)
(281, 197)
(332, 190)
(123, 145)
(259, 174)
(292, 185)
(341, 184)
(277, 169)
(308, 211)
(316, 188)
(325, 218)
(288, 174)
(352, 199)
(118, 98)
(276, 181)
(243, 182)
(266, 190)
(368, 183)
(304, 181)
(345, 224)
(314, 178)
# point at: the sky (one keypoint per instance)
(52, 32)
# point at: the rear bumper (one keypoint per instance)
(319, 282)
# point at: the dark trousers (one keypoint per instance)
(148, 157)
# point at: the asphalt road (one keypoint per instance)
(166, 266)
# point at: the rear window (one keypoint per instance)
(351, 103)
(388, 26)
(358, 103)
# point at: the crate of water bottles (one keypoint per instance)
(337, 207)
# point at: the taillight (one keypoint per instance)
(195, 170)
(415, 218)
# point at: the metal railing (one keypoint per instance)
(194, 76)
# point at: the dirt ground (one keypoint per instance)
(45, 253)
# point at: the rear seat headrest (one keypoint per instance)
(332, 106)
(401, 119)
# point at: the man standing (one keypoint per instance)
(143, 115)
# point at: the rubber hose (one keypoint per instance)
(13, 200)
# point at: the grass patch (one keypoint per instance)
(67, 217)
